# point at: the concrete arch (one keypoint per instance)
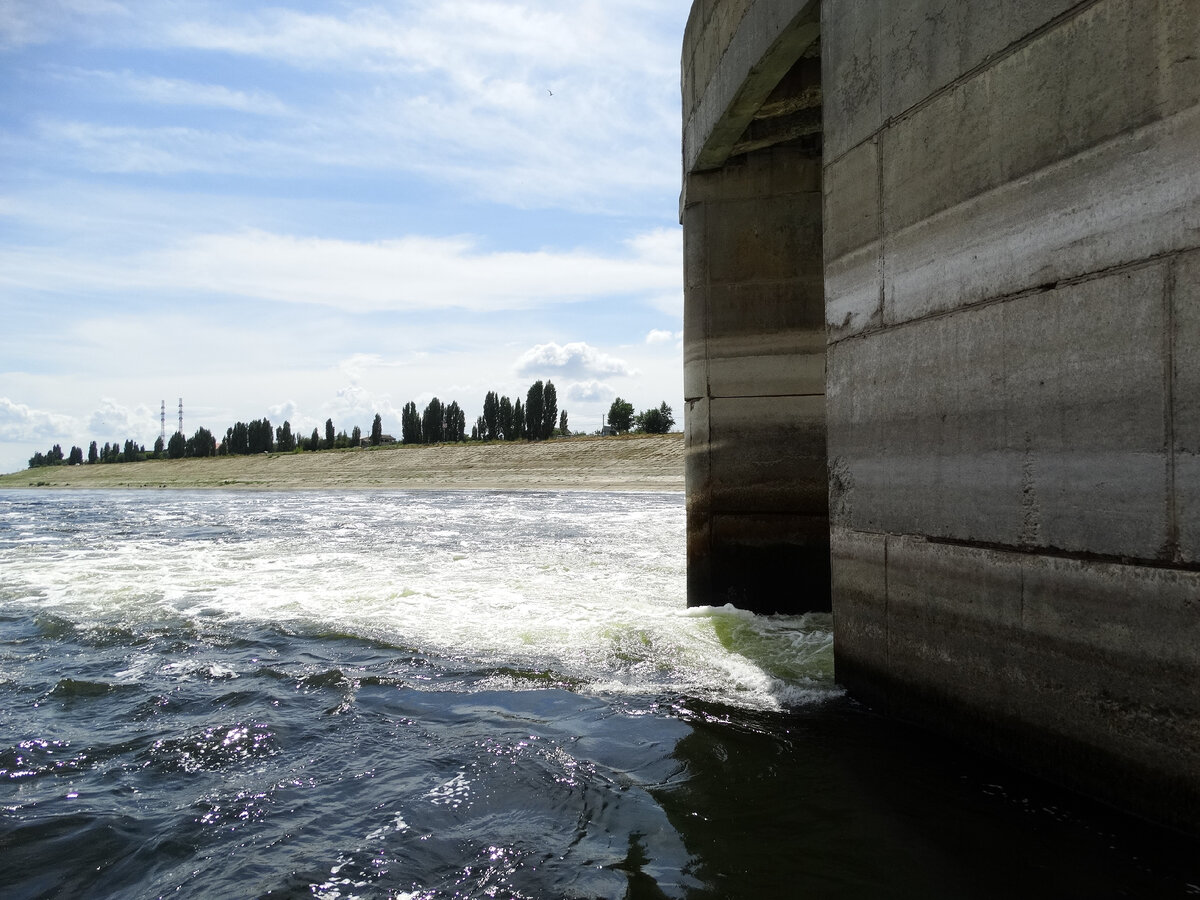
(942, 362)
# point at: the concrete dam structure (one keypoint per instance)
(942, 363)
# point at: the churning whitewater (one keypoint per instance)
(467, 695)
(585, 588)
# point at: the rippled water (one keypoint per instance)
(467, 695)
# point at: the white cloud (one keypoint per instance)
(408, 273)
(589, 391)
(114, 421)
(287, 411)
(355, 405)
(24, 22)
(535, 104)
(21, 423)
(172, 150)
(659, 336)
(575, 359)
(179, 92)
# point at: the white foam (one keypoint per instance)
(591, 587)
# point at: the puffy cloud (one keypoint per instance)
(589, 391)
(659, 336)
(573, 360)
(19, 422)
(111, 420)
(355, 405)
(287, 411)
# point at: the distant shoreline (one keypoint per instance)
(630, 463)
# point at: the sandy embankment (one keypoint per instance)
(641, 463)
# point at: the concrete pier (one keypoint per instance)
(942, 363)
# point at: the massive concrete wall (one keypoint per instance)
(1011, 269)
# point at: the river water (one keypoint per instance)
(469, 694)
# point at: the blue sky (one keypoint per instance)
(312, 210)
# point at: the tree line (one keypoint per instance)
(503, 419)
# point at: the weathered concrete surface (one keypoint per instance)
(754, 349)
(1005, 227)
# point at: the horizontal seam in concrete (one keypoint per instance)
(1048, 552)
(985, 64)
(761, 396)
(1094, 275)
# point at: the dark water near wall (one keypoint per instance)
(465, 695)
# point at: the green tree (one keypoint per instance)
(176, 446)
(656, 421)
(433, 422)
(94, 452)
(202, 443)
(504, 419)
(356, 437)
(75, 457)
(259, 437)
(454, 421)
(490, 429)
(330, 437)
(285, 442)
(237, 439)
(377, 431)
(410, 424)
(549, 410)
(534, 400)
(620, 416)
(562, 424)
(314, 441)
(518, 422)
(159, 447)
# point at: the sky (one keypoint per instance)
(325, 210)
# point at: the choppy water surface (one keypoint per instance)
(468, 695)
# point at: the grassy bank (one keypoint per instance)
(642, 462)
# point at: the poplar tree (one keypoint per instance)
(490, 429)
(433, 422)
(549, 410)
(284, 441)
(377, 431)
(518, 422)
(454, 423)
(410, 424)
(504, 418)
(259, 437)
(329, 436)
(533, 411)
(562, 424)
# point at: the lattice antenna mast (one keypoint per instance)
(162, 422)
(181, 415)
